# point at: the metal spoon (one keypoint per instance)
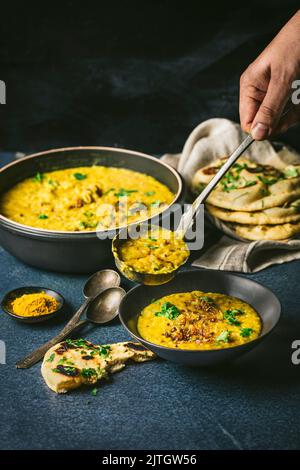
(103, 308)
(97, 283)
(184, 224)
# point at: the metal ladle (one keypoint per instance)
(96, 284)
(184, 224)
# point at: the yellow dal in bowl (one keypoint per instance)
(200, 321)
(85, 198)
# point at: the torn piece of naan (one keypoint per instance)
(73, 363)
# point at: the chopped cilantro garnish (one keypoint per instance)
(79, 176)
(249, 183)
(169, 311)
(125, 192)
(239, 167)
(77, 343)
(64, 361)
(66, 370)
(51, 358)
(155, 204)
(230, 316)
(53, 183)
(264, 192)
(104, 350)
(89, 214)
(38, 178)
(108, 191)
(94, 392)
(84, 224)
(291, 172)
(224, 336)
(88, 373)
(209, 300)
(246, 332)
(43, 216)
(268, 181)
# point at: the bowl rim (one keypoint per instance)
(87, 233)
(32, 319)
(207, 351)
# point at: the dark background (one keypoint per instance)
(134, 74)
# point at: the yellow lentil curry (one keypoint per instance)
(199, 320)
(156, 251)
(34, 305)
(85, 198)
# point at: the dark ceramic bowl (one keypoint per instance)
(260, 297)
(74, 252)
(10, 296)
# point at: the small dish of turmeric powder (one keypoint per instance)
(32, 304)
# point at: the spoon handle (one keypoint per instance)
(187, 218)
(39, 353)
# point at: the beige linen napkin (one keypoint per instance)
(209, 141)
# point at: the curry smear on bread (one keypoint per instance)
(156, 251)
(199, 320)
(85, 199)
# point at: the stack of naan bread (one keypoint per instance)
(254, 201)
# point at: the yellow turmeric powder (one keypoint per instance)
(33, 305)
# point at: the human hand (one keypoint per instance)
(266, 85)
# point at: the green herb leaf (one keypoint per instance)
(89, 214)
(88, 373)
(125, 192)
(224, 337)
(268, 181)
(108, 191)
(209, 300)
(155, 204)
(77, 343)
(43, 216)
(51, 358)
(239, 167)
(230, 316)
(149, 193)
(80, 176)
(64, 361)
(169, 311)
(38, 178)
(291, 172)
(249, 183)
(66, 370)
(53, 183)
(246, 332)
(264, 192)
(104, 350)
(94, 392)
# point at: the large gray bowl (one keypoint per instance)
(260, 297)
(73, 252)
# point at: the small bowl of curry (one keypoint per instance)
(32, 304)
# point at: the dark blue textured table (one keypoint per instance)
(252, 403)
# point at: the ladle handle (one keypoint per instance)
(187, 218)
(39, 353)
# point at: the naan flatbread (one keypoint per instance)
(266, 232)
(250, 186)
(271, 216)
(73, 363)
